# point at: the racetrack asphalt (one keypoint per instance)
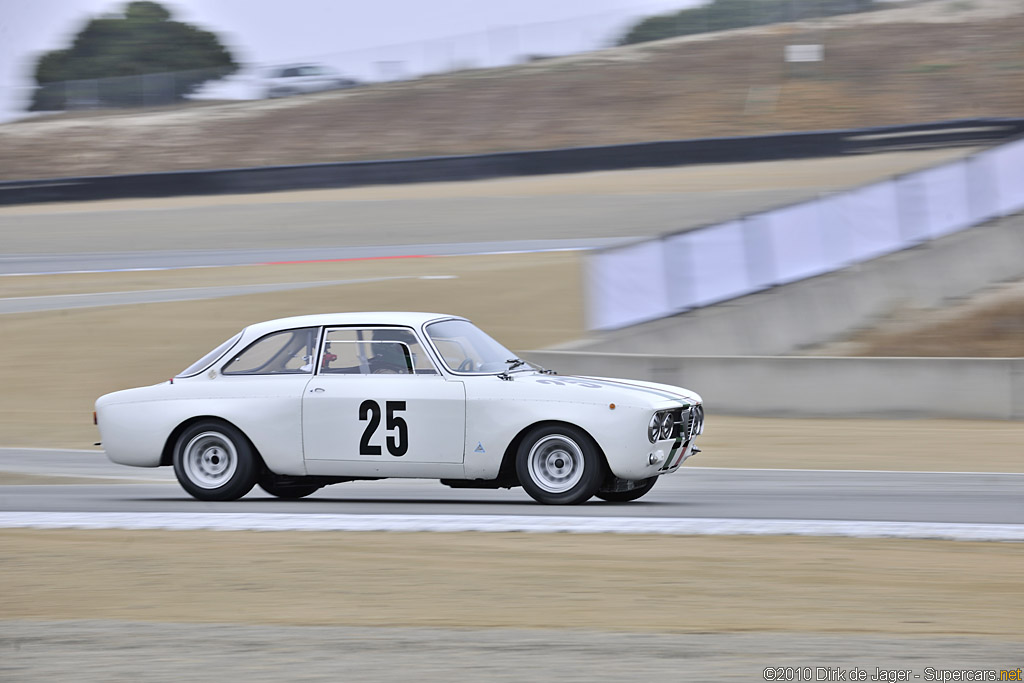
(372, 223)
(693, 492)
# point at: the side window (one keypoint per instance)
(374, 351)
(289, 352)
(209, 358)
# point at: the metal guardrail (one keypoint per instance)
(503, 164)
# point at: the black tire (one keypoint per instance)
(214, 461)
(559, 465)
(626, 496)
(289, 488)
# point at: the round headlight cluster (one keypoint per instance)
(654, 428)
(660, 426)
(666, 425)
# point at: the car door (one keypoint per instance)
(378, 407)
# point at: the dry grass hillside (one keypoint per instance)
(935, 60)
(989, 324)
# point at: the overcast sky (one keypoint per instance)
(267, 33)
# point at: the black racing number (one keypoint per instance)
(370, 410)
(397, 447)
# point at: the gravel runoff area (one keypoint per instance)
(159, 605)
(102, 651)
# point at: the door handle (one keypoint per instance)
(318, 390)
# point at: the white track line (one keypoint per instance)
(54, 302)
(186, 521)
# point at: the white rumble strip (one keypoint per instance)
(186, 521)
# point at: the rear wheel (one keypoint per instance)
(214, 461)
(290, 488)
(641, 489)
(559, 465)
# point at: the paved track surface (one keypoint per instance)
(692, 493)
(114, 650)
(371, 223)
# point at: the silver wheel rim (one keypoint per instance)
(210, 460)
(556, 463)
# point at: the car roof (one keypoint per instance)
(406, 318)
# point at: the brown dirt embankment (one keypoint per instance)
(937, 61)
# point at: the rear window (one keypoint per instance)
(208, 360)
(289, 352)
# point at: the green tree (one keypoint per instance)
(143, 57)
(721, 15)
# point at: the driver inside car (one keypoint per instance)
(392, 354)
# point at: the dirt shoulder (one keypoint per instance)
(608, 582)
(885, 67)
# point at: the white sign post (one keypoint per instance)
(805, 53)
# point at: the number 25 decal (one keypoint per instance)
(370, 410)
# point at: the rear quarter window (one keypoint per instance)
(208, 360)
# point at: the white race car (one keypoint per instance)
(299, 403)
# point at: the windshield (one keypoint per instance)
(464, 347)
(209, 358)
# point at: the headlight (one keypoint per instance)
(666, 425)
(654, 428)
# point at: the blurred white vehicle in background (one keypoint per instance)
(296, 79)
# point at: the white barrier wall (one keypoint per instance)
(678, 272)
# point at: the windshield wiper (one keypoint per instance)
(513, 363)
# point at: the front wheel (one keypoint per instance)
(214, 461)
(559, 465)
(632, 494)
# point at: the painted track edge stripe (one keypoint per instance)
(511, 523)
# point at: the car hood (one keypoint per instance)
(653, 389)
(619, 390)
